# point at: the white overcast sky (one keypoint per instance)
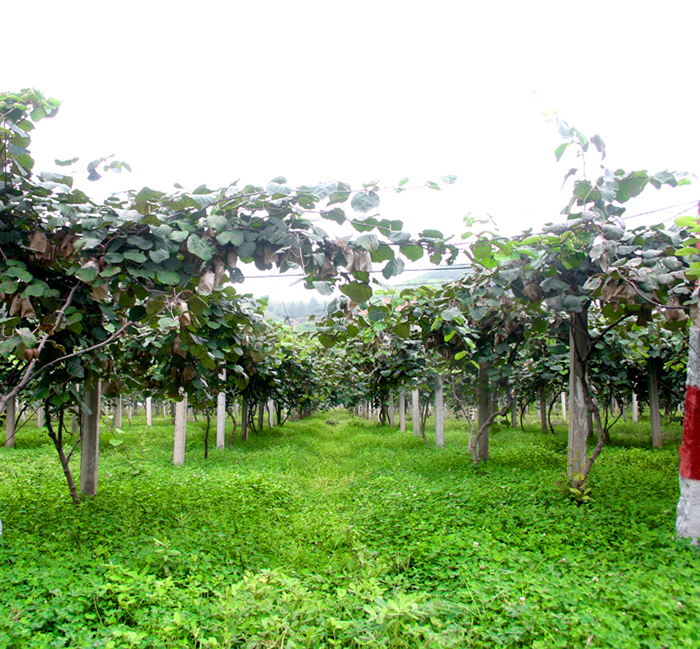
(209, 92)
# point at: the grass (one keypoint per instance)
(336, 532)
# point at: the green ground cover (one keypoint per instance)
(336, 532)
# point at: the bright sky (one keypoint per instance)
(208, 92)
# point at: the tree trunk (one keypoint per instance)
(90, 442)
(484, 411)
(439, 415)
(244, 420)
(543, 410)
(10, 414)
(415, 395)
(402, 411)
(57, 439)
(654, 409)
(579, 416)
(180, 431)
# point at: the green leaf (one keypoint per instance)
(402, 330)
(28, 338)
(368, 242)
(412, 252)
(87, 274)
(20, 273)
(140, 242)
(336, 215)
(559, 151)
(432, 185)
(687, 222)
(431, 234)
(234, 237)
(394, 267)
(382, 253)
(168, 277)
(217, 221)
(365, 201)
(159, 255)
(681, 252)
(135, 256)
(66, 163)
(599, 144)
(199, 247)
(449, 179)
(357, 292)
(324, 288)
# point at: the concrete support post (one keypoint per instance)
(635, 409)
(392, 411)
(654, 406)
(180, 431)
(221, 414)
(483, 412)
(40, 416)
(439, 415)
(402, 411)
(271, 413)
(90, 442)
(688, 515)
(415, 395)
(563, 406)
(118, 412)
(149, 411)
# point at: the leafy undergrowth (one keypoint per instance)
(341, 533)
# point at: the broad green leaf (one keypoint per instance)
(20, 273)
(368, 242)
(431, 234)
(66, 163)
(140, 242)
(324, 288)
(394, 267)
(365, 201)
(336, 215)
(687, 222)
(357, 292)
(399, 238)
(135, 256)
(412, 252)
(382, 253)
(559, 151)
(432, 185)
(217, 222)
(159, 255)
(234, 237)
(199, 247)
(681, 252)
(168, 277)
(87, 274)
(449, 179)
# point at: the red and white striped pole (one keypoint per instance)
(688, 517)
